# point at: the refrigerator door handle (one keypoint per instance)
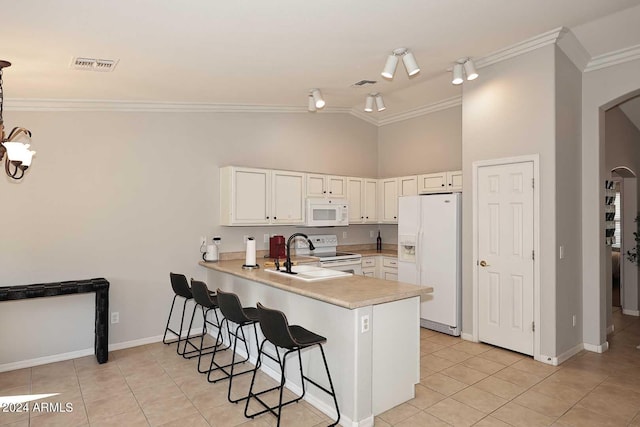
(419, 257)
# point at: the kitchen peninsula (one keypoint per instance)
(371, 326)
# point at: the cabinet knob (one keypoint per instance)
(324, 192)
(361, 217)
(395, 217)
(449, 184)
(275, 217)
(267, 217)
(330, 192)
(367, 217)
(442, 185)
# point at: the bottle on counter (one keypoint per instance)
(379, 243)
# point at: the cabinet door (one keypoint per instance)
(250, 194)
(369, 272)
(390, 275)
(316, 185)
(337, 186)
(408, 186)
(355, 195)
(288, 197)
(370, 200)
(454, 181)
(432, 183)
(389, 200)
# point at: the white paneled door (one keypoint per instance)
(505, 256)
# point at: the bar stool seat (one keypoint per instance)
(181, 289)
(208, 301)
(293, 338)
(233, 312)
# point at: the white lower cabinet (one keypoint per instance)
(380, 267)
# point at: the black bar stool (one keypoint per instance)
(208, 301)
(294, 338)
(181, 289)
(233, 312)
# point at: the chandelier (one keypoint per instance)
(18, 156)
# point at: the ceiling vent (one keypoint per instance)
(92, 64)
(364, 83)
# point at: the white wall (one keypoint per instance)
(425, 144)
(568, 88)
(602, 89)
(510, 111)
(126, 196)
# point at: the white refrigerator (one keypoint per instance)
(429, 254)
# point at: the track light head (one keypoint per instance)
(470, 70)
(457, 75)
(380, 103)
(410, 64)
(390, 67)
(317, 97)
(368, 105)
(312, 104)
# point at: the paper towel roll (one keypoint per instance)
(250, 259)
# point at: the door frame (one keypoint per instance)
(535, 159)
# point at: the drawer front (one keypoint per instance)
(390, 262)
(368, 262)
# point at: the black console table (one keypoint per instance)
(99, 286)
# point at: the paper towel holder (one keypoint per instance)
(250, 266)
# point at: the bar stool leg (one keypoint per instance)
(204, 350)
(167, 329)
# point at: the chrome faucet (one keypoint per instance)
(287, 264)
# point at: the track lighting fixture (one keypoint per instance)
(368, 105)
(312, 104)
(460, 68)
(380, 103)
(371, 98)
(317, 98)
(408, 59)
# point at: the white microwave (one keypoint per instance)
(327, 212)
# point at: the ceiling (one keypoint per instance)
(270, 53)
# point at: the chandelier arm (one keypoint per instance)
(17, 131)
(13, 174)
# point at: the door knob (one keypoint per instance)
(483, 263)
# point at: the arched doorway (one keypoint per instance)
(622, 282)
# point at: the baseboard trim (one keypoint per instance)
(597, 348)
(631, 312)
(467, 337)
(557, 360)
(61, 357)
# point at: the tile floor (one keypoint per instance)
(462, 384)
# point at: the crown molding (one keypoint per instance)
(24, 104)
(613, 58)
(356, 112)
(541, 40)
(421, 111)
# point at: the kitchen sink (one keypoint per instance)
(310, 273)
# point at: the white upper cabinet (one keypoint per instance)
(355, 196)
(329, 186)
(362, 196)
(245, 196)
(389, 200)
(441, 182)
(287, 202)
(408, 186)
(251, 196)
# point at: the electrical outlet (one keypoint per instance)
(574, 320)
(245, 238)
(364, 324)
(372, 234)
(344, 234)
(115, 317)
(203, 240)
(266, 238)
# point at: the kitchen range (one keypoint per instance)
(325, 248)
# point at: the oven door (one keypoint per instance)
(353, 267)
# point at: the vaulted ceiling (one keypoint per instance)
(270, 53)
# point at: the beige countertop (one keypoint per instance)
(348, 292)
